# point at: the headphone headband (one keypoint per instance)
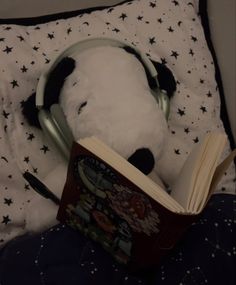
(79, 47)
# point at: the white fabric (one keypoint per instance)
(168, 31)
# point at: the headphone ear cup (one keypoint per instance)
(59, 118)
(52, 130)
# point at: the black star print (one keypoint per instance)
(6, 220)
(50, 36)
(163, 60)
(196, 140)
(170, 29)
(5, 114)
(123, 16)
(186, 130)
(44, 148)
(4, 158)
(179, 23)
(191, 52)
(160, 20)
(7, 29)
(20, 38)
(194, 39)
(47, 60)
(203, 109)
(86, 23)
(110, 10)
(8, 201)
(14, 84)
(176, 3)
(23, 69)
(140, 18)
(30, 137)
(174, 54)
(27, 187)
(2, 39)
(8, 49)
(37, 28)
(201, 81)
(116, 30)
(151, 4)
(26, 159)
(35, 170)
(177, 151)
(35, 48)
(69, 30)
(181, 112)
(209, 94)
(152, 40)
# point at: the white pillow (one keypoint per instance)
(170, 32)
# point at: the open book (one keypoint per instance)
(136, 220)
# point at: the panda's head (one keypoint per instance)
(106, 92)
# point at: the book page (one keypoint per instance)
(206, 172)
(193, 184)
(181, 189)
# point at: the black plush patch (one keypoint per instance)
(143, 159)
(30, 111)
(56, 80)
(81, 107)
(165, 78)
(164, 75)
(53, 88)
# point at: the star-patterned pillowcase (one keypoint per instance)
(169, 32)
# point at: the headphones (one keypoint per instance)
(53, 121)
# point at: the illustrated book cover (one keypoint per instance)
(133, 218)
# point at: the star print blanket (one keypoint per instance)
(169, 32)
(61, 256)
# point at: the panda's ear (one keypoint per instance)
(52, 90)
(30, 111)
(56, 80)
(166, 78)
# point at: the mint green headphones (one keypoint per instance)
(54, 123)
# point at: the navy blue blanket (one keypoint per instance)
(205, 255)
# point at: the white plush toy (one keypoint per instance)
(104, 91)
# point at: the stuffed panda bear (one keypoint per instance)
(106, 92)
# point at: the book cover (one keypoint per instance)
(107, 207)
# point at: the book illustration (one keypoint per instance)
(131, 216)
(108, 211)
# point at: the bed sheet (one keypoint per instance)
(169, 32)
(60, 255)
